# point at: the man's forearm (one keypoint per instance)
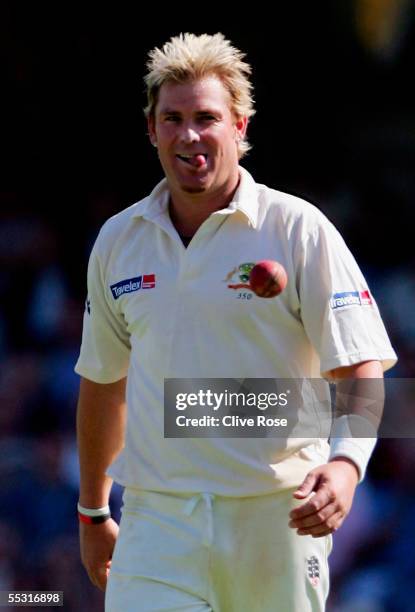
(359, 408)
(100, 431)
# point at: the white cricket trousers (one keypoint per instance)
(202, 552)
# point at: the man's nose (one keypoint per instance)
(189, 134)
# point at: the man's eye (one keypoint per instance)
(207, 118)
(172, 118)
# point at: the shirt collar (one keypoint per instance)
(245, 200)
(155, 204)
(246, 197)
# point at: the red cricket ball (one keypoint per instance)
(268, 278)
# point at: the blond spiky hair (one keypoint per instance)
(189, 57)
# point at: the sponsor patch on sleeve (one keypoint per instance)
(350, 298)
(146, 281)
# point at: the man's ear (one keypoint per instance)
(152, 130)
(241, 125)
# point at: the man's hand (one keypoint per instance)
(97, 543)
(333, 485)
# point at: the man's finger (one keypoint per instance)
(318, 518)
(99, 578)
(314, 504)
(318, 531)
(306, 487)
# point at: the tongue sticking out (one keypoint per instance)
(198, 160)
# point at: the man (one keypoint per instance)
(216, 523)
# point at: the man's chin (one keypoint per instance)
(188, 189)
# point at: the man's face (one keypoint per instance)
(196, 134)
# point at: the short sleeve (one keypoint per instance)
(105, 349)
(340, 315)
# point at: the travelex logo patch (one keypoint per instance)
(146, 281)
(350, 298)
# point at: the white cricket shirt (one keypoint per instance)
(157, 310)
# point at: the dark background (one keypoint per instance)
(335, 124)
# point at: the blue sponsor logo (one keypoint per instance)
(126, 286)
(145, 281)
(347, 298)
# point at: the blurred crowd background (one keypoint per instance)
(335, 124)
